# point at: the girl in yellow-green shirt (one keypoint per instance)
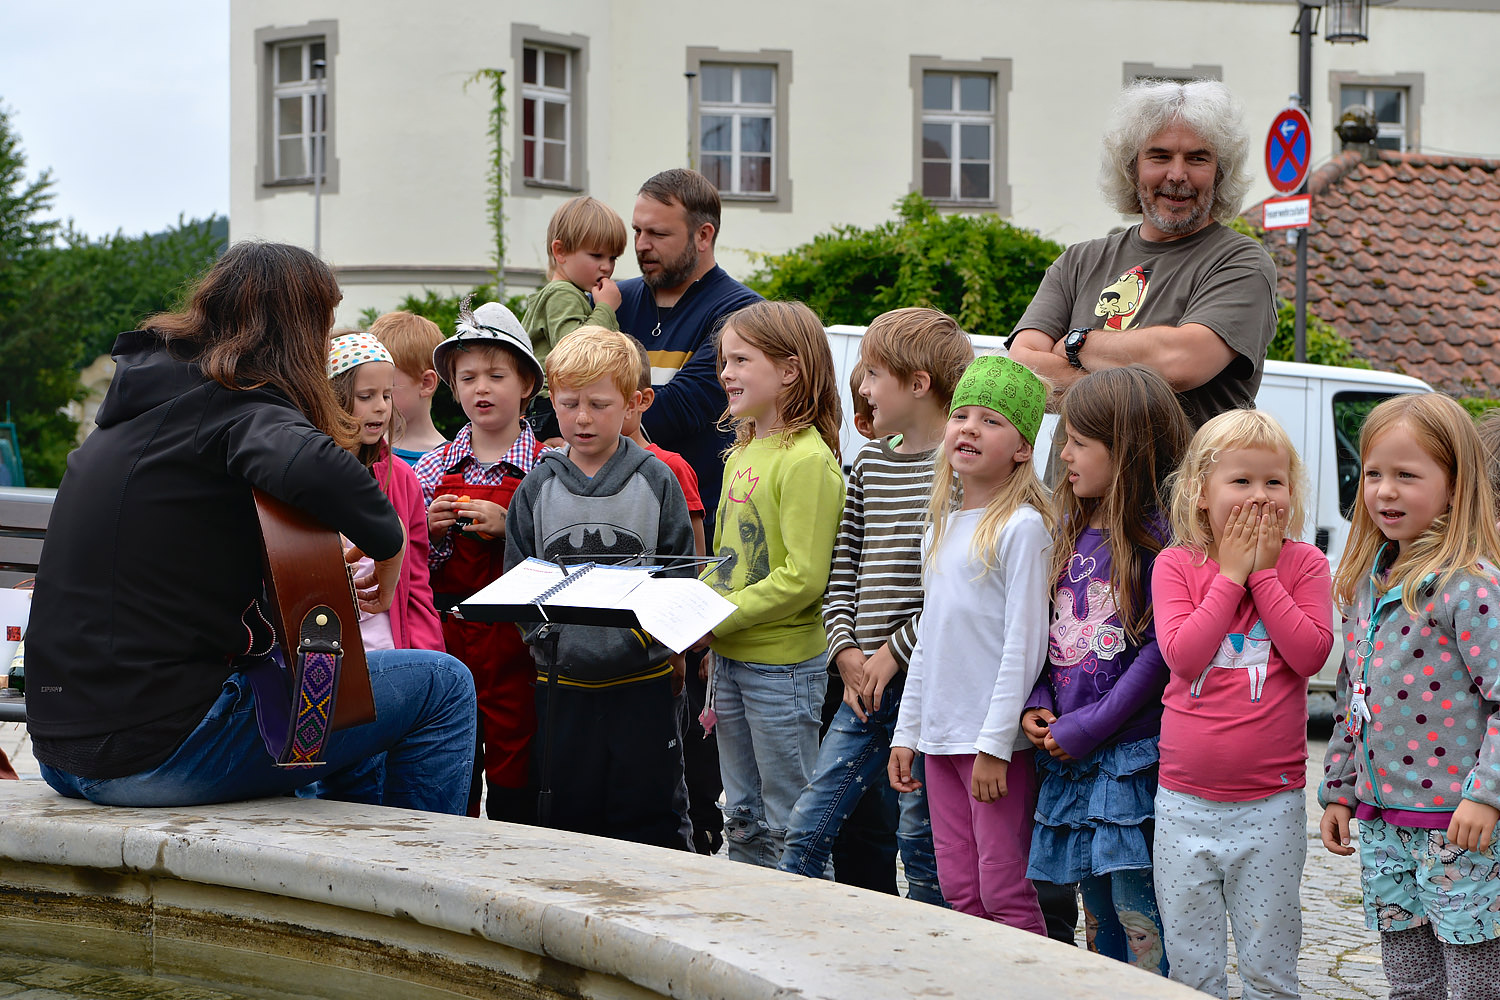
(777, 518)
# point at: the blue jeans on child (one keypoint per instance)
(424, 706)
(768, 719)
(852, 764)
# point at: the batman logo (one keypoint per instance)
(589, 543)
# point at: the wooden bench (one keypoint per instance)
(23, 525)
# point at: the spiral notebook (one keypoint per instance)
(675, 610)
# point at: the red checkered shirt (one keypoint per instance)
(457, 456)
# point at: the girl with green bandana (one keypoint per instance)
(981, 645)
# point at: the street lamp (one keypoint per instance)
(320, 89)
(1348, 22)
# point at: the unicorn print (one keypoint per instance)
(1247, 651)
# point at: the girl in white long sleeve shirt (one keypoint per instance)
(981, 645)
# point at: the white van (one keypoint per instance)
(1321, 407)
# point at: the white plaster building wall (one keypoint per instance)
(1454, 50)
(412, 152)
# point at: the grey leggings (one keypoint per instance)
(1420, 967)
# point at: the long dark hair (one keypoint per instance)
(260, 317)
(1135, 415)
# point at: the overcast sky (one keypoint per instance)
(127, 101)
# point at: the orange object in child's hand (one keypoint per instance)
(462, 522)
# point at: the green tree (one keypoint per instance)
(39, 348)
(65, 297)
(979, 269)
(123, 279)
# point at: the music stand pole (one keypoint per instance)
(549, 636)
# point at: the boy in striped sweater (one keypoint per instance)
(910, 359)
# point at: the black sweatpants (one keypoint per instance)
(615, 761)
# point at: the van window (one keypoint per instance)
(1349, 412)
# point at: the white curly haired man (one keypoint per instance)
(1179, 293)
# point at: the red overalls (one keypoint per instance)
(504, 673)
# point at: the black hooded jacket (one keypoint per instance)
(152, 554)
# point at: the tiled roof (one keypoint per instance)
(1403, 258)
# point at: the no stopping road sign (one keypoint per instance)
(1288, 150)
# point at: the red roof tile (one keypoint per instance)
(1404, 260)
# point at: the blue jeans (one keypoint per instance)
(851, 763)
(424, 705)
(769, 716)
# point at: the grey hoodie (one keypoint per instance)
(633, 505)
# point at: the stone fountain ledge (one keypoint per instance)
(552, 912)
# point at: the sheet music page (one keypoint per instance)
(599, 587)
(521, 585)
(678, 611)
(602, 587)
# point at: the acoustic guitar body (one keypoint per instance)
(305, 570)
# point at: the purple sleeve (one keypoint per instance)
(1041, 696)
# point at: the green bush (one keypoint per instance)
(39, 351)
(1324, 344)
(979, 269)
(124, 279)
(1477, 405)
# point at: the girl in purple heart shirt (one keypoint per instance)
(1095, 714)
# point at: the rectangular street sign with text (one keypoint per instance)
(1294, 212)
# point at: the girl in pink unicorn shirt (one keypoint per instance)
(1243, 617)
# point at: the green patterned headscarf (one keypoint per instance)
(1008, 388)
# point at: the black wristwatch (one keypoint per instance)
(1073, 343)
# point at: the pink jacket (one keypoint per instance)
(414, 619)
(1234, 720)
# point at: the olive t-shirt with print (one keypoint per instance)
(1215, 277)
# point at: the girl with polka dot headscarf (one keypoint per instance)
(363, 376)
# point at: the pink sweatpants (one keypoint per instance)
(982, 846)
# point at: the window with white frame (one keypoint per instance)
(299, 108)
(958, 141)
(546, 114)
(1390, 106)
(737, 127)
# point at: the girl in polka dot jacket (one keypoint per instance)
(1415, 752)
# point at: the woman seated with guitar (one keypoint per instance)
(152, 681)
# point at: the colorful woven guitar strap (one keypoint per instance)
(295, 712)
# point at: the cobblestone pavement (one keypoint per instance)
(1340, 959)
